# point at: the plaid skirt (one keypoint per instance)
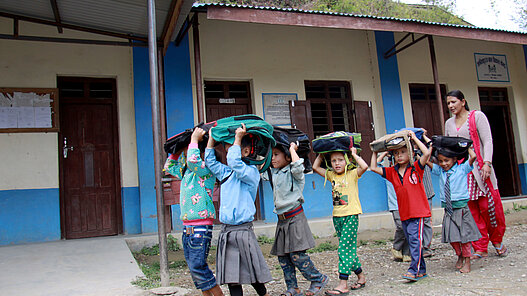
(460, 227)
(292, 235)
(239, 259)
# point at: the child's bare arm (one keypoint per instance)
(211, 142)
(363, 166)
(373, 164)
(382, 156)
(292, 149)
(426, 152)
(317, 168)
(472, 156)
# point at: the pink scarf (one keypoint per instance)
(494, 193)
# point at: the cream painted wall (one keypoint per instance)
(278, 59)
(34, 156)
(456, 69)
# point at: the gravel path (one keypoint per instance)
(490, 276)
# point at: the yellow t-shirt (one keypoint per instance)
(345, 191)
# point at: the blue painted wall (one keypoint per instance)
(525, 54)
(178, 97)
(523, 176)
(131, 210)
(390, 83)
(29, 215)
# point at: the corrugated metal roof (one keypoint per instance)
(119, 16)
(198, 5)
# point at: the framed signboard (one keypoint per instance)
(492, 67)
(276, 107)
(28, 110)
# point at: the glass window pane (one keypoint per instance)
(417, 93)
(315, 92)
(499, 95)
(340, 117)
(213, 90)
(238, 91)
(319, 118)
(72, 89)
(484, 95)
(337, 92)
(101, 90)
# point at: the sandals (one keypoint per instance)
(479, 255)
(501, 252)
(337, 292)
(291, 292)
(316, 287)
(360, 286)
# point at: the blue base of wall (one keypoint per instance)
(29, 215)
(523, 176)
(131, 210)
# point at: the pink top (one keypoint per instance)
(485, 139)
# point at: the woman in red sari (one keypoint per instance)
(485, 201)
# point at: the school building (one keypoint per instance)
(90, 172)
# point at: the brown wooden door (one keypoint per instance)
(495, 104)
(89, 166)
(424, 108)
(364, 123)
(224, 99)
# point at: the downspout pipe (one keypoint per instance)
(439, 99)
(156, 125)
(197, 68)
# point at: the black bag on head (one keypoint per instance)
(180, 141)
(285, 136)
(451, 146)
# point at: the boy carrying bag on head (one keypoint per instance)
(407, 180)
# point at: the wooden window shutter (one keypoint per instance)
(365, 126)
(300, 112)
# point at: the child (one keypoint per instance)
(197, 212)
(239, 257)
(292, 236)
(407, 180)
(346, 210)
(428, 231)
(400, 249)
(459, 227)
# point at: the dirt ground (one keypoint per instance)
(490, 276)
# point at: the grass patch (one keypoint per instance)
(322, 247)
(518, 207)
(379, 242)
(172, 245)
(363, 243)
(263, 239)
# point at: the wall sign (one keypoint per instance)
(276, 107)
(492, 67)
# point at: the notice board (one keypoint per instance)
(276, 108)
(28, 110)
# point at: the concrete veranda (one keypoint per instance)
(95, 266)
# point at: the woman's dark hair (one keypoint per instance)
(459, 95)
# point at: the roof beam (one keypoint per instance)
(359, 23)
(72, 27)
(170, 23)
(56, 13)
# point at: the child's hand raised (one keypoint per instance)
(241, 131)
(211, 142)
(294, 146)
(412, 135)
(353, 151)
(197, 135)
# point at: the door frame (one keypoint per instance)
(510, 133)
(115, 141)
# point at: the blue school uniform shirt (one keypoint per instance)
(289, 177)
(458, 182)
(238, 192)
(392, 197)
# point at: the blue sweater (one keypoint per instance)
(238, 192)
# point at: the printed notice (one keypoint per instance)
(42, 116)
(276, 108)
(8, 117)
(26, 117)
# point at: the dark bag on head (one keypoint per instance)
(260, 131)
(451, 146)
(285, 136)
(180, 141)
(337, 141)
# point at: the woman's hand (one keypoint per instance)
(485, 171)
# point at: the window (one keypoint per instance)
(424, 106)
(331, 106)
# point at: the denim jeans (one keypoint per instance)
(301, 261)
(196, 246)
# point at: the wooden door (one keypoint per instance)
(224, 99)
(495, 104)
(89, 158)
(424, 108)
(364, 123)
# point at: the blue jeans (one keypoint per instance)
(196, 246)
(413, 230)
(301, 261)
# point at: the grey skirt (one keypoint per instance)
(461, 227)
(239, 259)
(292, 235)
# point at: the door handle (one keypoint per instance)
(66, 148)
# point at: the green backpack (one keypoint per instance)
(262, 151)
